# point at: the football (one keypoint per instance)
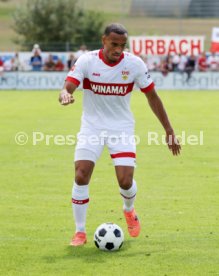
(108, 237)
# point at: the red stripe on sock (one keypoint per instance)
(123, 154)
(128, 197)
(80, 201)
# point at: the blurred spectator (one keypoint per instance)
(175, 62)
(59, 66)
(71, 61)
(164, 69)
(12, 64)
(1, 68)
(9, 65)
(182, 63)
(213, 62)
(36, 61)
(152, 66)
(1, 65)
(153, 63)
(83, 50)
(190, 66)
(49, 64)
(17, 63)
(202, 63)
(169, 62)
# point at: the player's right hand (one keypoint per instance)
(65, 98)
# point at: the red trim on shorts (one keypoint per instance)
(128, 197)
(73, 80)
(123, 154)
(101, 56)
(148, 88)
(81, 201)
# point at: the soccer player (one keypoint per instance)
(108, 76)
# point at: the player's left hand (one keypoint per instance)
(173, 143)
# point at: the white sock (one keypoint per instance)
(80, 199)
(129, 196)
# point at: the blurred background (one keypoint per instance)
(141, 17)
(50, 35)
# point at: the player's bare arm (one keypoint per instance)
(66, 94)
(159, 110)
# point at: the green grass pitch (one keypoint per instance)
(177, 200)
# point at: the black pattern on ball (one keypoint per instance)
(117, 233)
(102, 232)
(109, 245)
(97, 245)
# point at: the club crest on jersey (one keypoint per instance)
(125, 75)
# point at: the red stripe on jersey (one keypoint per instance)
(73, 80)
(101, 56)
(148, 88)
(81, 201)
(123, 154)
(108, 89)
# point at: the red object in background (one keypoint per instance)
(59, 66)
(214, 47)
(202, 63)
(215, 40)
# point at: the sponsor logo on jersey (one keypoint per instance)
(109, 89)
(96, 74)
(117, 89)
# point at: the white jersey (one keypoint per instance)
(108, 87)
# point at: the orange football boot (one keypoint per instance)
(133, 223)
(78, 239)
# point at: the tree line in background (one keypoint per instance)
(57, 22)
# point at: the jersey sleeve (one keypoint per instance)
(78, 71)
(143, 79)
